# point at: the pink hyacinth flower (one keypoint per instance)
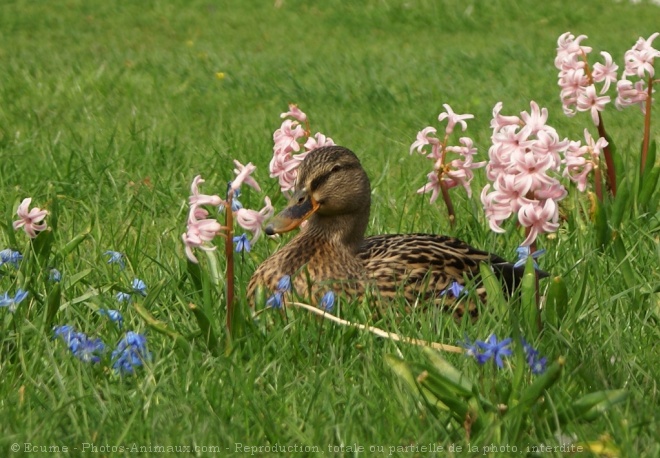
(539, 218)
(453, 119)
(589, 101)
(433, 186)
(243, 173)
(295, 113)
(284, 168)
(30, 220)
(317, 141)
(605, 74)
(500, 121)
(424, 137)
(629, 94)
(202, 199)
(286, 137)
(536, 119)
(639, 59)
(200, 232)
(252, 220)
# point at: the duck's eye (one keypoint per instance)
(301, 199)
(336, 168)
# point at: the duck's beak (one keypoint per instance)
(301, 205)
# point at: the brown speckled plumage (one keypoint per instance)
(330, 252)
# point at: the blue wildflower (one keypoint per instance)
(114, 316)
(242, 243)
(115, 258)
(54, 275)
(523, 254)
(131, 352)
(236, 205)
(12, 302)
(275, 301)
(8, 256)
(139, 287)
(284, 284)
(537, 364)
(471, 348)
(494, 349)
(328, 301)
(237, 192)
(455, 288)
(85, 349)
(123, 297)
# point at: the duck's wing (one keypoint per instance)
(427, 263)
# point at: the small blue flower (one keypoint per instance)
(523, 254)
(139, 287)
(471, 348)
(328, 301)
(236, 205)
(54, 275)
(456, 289)
(537, 364)
(115, 258)
(123, 297)
(12, 302)
(284, 284)
(6, 300)
(8, 256)
(494, 349)
(242, 243)
(114, 316)
(85, 349)
(131, 352)
(63, 331)
(275, 301)
(88, 350)
(237, 192)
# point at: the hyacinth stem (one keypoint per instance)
(598, 183)
(647, 125)
(229, 255)
(609, 161)
(448, 202)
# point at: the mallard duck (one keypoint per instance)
(333, 194)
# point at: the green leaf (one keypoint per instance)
(534, 391)
(494, 291)
(621, 255)
(159, 326)
(621, 204)
(451, 376)
(529, 305)
(603, 232)
(592, 405)
(556, 303)
(650, 161)
(73, 243)
(210, 338)
(648, 188)
(54, 302)
(405, 372)
(42, 248)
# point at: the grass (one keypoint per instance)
(107, 111)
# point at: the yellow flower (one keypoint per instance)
(220, 75)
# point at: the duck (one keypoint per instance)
(332, 194)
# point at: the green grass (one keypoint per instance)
(107, 111)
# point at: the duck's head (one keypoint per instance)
(332, 190)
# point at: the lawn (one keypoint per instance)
(109, 109)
